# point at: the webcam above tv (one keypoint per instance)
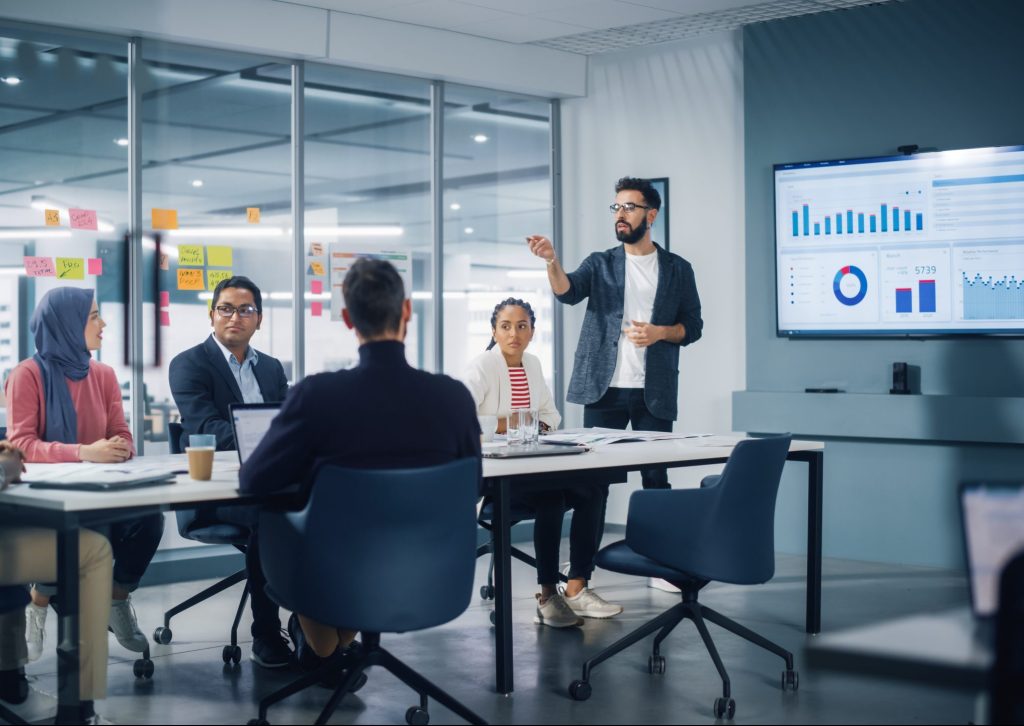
(911, 245)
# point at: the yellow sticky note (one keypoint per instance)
(252, 215)
(218, 256)
(52, 217)
(316, 268)
(70, 268)
(213, 277)
(190, 255)
(165, 218)
(190, 279)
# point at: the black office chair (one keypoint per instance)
(723, 531)
(12, 598)
(1006, 698)
(417, 524)
(201, 525)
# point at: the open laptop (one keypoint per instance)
(250, 422)
(993, 528)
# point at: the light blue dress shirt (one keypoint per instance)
(244, 372)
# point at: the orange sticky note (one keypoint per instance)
(165, 218)
(190, 279)
(316, 287)
(82, 219)
(40, 267)
(252, 215)
(95, 266)
(52, 217)
(165, 319)
(316, 268)
(165, 298)
(317, 309)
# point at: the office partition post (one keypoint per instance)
(298, 223)
(558, 330)
(133, 303)
(437, 217)
(68, 626)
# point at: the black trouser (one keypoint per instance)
(549, 506)
(266, 620)
(614, 410)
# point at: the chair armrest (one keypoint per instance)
(669, 525)
(711, 480)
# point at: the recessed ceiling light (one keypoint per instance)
(480, 138)
(455, 206)
(468, 230)
(197, 183)
(121, 142)
(11, 80)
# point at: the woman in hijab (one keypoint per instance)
(63, 406)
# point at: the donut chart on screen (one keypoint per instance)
(862, 281)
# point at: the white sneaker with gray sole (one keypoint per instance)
(35, 630)
(555, 613)
(125, 627)
(588, 604)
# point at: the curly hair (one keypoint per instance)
(504, 304)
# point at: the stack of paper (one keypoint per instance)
(601, 437)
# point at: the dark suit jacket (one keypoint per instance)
(382, 414)
(203, 389)
(601, 281)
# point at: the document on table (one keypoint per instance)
(72, 474)
(601, 437)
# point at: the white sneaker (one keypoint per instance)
(556, 613)
(664, 585)
(589, 604)
(35, 630)
(97, 719)
(125, 627)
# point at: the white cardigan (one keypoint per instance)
(487, 379)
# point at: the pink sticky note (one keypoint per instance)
(95, 266)
(317, 309)
(82, 218)
(165, 298)
(316, 286)
(39, 267)
(165, 319)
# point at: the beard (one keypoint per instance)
(632, 236)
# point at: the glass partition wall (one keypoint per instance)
(216, 161)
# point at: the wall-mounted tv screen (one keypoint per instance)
(926, 244)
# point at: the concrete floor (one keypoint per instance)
(191, 685)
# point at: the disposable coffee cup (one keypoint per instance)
(200, 462)
(488, 424)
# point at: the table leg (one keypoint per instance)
(502, 588)
(68, 695)
(815, 491)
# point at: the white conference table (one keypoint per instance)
(68, 511)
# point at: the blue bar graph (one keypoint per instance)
(839, 224)
(991, 299)
(842, 223)
(849, 221)
(885, 217)
(895, 219)
(926, 295)
(828, 225)
(920, 221)
(807, 220)
(817, 228)
(872, 223)
(906, 220)
(860, 223)
(796, 224)
(904, 300)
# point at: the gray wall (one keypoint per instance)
(939, 73)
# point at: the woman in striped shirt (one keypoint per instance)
(507, 378)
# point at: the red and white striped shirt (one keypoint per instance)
(520, 388)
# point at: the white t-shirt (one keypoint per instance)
(638, 304)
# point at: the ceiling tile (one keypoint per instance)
(522, 29)
(445, 14)
(602, 14)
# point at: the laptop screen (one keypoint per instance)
(993, 521)
(250, 422)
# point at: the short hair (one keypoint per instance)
(651, 197)
(241, 282)
(374, 293)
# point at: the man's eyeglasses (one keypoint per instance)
(244, 311)
(628, 206)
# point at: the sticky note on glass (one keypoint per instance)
(165, 218)
(190, 279)
(52, 217)
(95, 266)
(190, 255)
(165, 319)
(316, 268)
(165, 261)
(70, 268)
(82, 218)
(218, 256)
(252, 215)
(317, 309)
(316, 287)
(316, 249)
(213, 277)
(39, 267)
(165, 298)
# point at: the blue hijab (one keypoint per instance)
(58, 325)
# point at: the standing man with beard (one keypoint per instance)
(642, 305)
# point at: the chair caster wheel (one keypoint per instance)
(725, 708)
(162, 635)
(417, 716)
(231, 654)
(487, 592)
(580, 690)
(790, 680)
(143, 668)
(656, 665)
(493, 618)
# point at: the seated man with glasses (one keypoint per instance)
(205, 381)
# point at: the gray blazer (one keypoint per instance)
(601, 280)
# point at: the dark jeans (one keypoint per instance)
(615, 409)
(266, 620)
(549, 506)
